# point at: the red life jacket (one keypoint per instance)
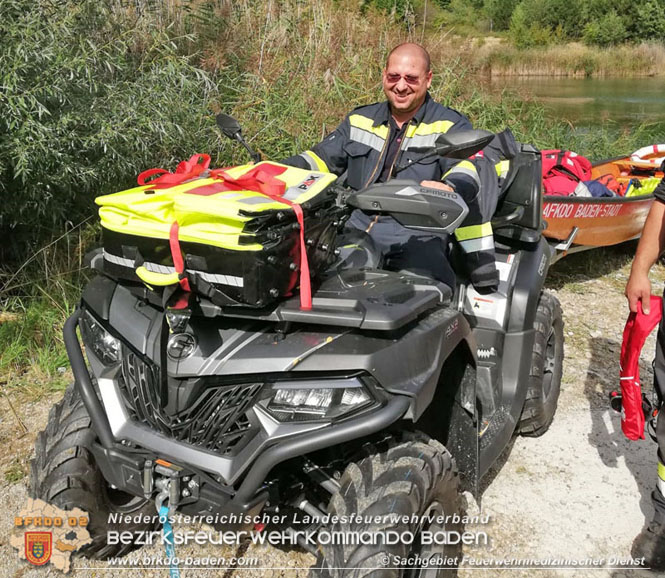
(563, 171)
(638, 327)
(612, 184)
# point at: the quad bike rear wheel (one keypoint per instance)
(546, 369)
(64, 473)
(410, 478)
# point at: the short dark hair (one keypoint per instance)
(419, 48)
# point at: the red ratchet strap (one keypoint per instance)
(176, 254)
(185, 171)
(262, 179)
(638, 327)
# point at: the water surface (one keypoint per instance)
(590, 102)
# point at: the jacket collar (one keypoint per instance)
(383, 115)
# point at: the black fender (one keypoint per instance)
(445, 332)
(517, 349)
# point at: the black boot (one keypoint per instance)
(650, 545)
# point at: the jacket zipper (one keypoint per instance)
(383, 150)
(399, 153)
(402, 148)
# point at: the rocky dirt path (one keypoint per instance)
(580, 492)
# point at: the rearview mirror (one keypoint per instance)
(228, 125)
(460, 144)
(463, 143)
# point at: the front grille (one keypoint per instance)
(216, 421)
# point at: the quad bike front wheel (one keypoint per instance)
(409, 479)
(546, 369)
(64, 473)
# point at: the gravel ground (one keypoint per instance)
(579, 492)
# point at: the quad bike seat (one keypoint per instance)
(518, 217)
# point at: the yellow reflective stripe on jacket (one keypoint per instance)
(425, 129)
(661, 477)
(473, 231)
(476, 245)
(475, 238)
(661, 470)
(315, 162)
(367, 124)
(425, 134)
(502, 168)
(465, 168)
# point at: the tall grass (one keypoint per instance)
(304, 67)
(571, 60)
(33, 357)
(36, 299)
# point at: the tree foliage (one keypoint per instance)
(527, 32)
(607, 30)
(598, 22)
(86, 102)
(649, 19)
(499, 12)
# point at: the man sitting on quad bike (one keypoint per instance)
(380, 141)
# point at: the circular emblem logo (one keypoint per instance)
(180, 345)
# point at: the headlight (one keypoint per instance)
(105, 346)
(320, 400)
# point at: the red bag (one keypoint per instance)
(638, 327)
(563, 171)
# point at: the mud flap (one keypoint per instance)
(463, 438)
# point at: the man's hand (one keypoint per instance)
(437, 185)
(638, 289)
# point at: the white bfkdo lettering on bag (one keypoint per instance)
(575, 211)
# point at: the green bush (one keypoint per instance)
(527, 33)
(560, 17)
(464, 16)
(605, 31)
(593, 10)
(499, 12)
(88, 101)
(649, 21)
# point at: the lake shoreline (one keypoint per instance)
(493, 56)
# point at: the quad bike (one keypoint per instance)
(390, 396)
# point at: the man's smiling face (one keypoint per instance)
(406, 79)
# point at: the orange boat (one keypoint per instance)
(586, 222)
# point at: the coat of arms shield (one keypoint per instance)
(38, 547)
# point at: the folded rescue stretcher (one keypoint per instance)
(245, 236)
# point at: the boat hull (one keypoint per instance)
(600, 221)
